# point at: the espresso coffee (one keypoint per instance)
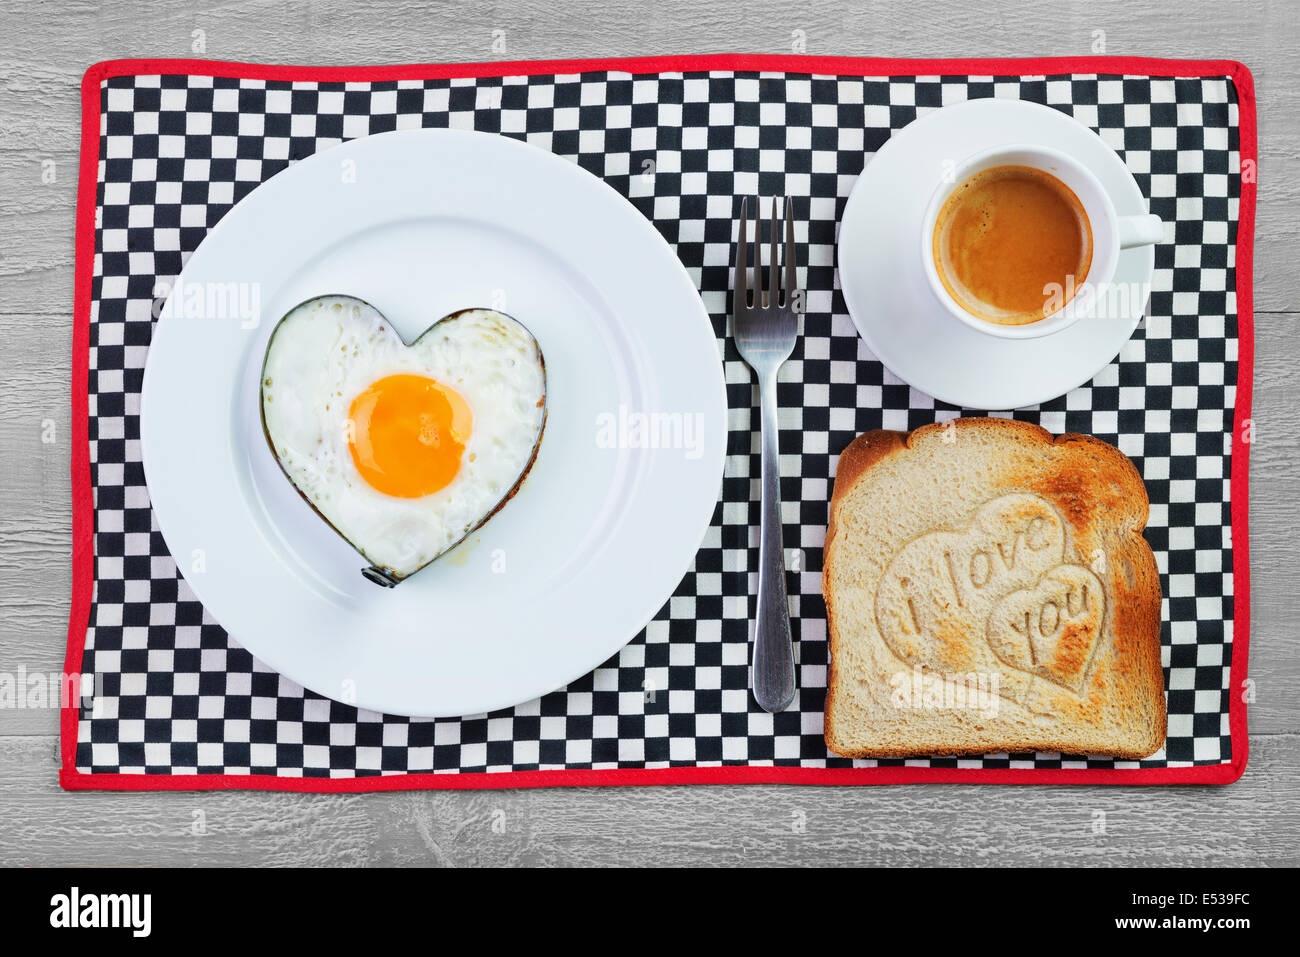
(1012, 244)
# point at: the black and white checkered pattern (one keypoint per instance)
(176, 696)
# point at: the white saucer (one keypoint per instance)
(894, 309)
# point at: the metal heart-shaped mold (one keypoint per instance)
(377, 572)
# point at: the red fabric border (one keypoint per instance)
(83, 558)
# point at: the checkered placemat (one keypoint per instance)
(179, 144)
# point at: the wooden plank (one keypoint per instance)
(35, 579)
(45, 56)
(1250, 823)
(44, 48)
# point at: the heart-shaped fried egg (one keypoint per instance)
(404, 450)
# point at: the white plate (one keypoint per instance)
(421, 223)
(884, 284)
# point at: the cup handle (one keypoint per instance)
(1140, 230)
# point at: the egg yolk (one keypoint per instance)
(407, 434)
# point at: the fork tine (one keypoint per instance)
(791, 279)
(774, 260)
(740, 293)
(758, 255)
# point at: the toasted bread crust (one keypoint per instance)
(1095, 486)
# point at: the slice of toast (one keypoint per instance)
(988, 589)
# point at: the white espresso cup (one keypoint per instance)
(1110, 234)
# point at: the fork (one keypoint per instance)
(765, 334)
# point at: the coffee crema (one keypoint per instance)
(1006, 239)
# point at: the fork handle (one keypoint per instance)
(773, 645)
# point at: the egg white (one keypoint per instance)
(328, 350)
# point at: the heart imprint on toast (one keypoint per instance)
(1006, 576)
(989, 590)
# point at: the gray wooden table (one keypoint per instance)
(45, 47)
